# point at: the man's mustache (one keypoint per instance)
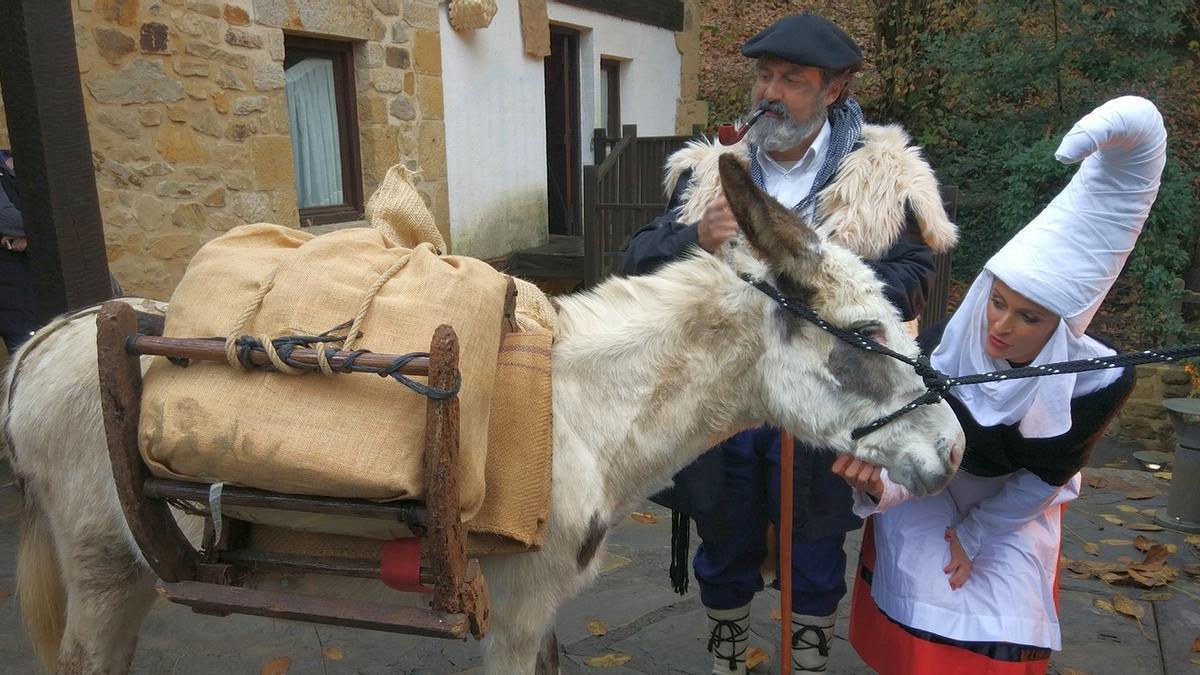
(777, 108)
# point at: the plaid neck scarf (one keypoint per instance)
(845, 122)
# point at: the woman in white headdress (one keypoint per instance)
(966, 581)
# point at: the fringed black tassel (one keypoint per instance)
(680, 548)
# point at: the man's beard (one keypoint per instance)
(775, 135)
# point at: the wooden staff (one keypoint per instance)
(787, 447)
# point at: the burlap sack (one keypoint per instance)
(340, 436)
(515, 509)
(396, 210)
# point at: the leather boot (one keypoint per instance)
(812, 637)
(729, 630)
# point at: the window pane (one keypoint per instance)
(316, 146)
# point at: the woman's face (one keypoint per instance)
(1017, 327)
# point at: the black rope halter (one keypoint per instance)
(937, 383)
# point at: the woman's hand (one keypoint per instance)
(960, 563)
(860, 475)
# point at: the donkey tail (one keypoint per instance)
(40, 588)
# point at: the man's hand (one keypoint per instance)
(717, 225)
(960, 563)
(860, 475)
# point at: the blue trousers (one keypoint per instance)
(729, 571)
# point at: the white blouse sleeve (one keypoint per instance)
(893, 494)
(1023, 498)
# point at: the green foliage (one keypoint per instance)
(988, 87)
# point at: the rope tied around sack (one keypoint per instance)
(279, 350)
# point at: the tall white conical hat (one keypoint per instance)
(1067, 258)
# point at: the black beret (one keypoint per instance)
(806, 39)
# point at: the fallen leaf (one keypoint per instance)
(1140, 494)
(1098, 482)
(5, 594)
(1092, 548)
(1162, 475)
(1156, 597)
(1069, 671)
(1125, 560)
(1171, 548)
(1144, 543)
(1112, 577)
(775, 613)
(597, 627)
(1192, 570)
(644, 518)
(277, 666)
(1196, 662)
(1103, 604)
(1144, 527)
(609, 660)
(1112, 519)
(755, 657)
(1116, 542)
(334, 654)
(1149, 512)
(1196, 644)
(1128, 607)
(1152, 579)
(1127, 508)
(1156, 557)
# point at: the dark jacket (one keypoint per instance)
(17, 318)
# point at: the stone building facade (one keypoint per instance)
(189, 124)
(1143, 421)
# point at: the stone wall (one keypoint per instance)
(1143, 421)
(189, 123)
(690, 110)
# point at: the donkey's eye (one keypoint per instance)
(872, 331)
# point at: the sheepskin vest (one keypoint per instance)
(863, 207)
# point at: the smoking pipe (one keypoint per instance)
(728, 134)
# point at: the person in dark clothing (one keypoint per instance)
(812, 152)
(17, 318)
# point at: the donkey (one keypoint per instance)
(648, 372)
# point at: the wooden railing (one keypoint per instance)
(623, 191)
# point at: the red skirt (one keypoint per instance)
(893, 649)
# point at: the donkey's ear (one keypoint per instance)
(778, 234)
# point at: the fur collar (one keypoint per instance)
(862, 208)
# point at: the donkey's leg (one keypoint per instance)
(109, 592)
(527, 590)
(547, 659)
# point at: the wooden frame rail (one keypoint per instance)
(208, 580)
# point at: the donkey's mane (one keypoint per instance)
(699, 282)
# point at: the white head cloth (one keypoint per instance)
(1065, 260)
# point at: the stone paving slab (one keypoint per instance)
(662, 631)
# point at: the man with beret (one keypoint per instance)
(810, 151)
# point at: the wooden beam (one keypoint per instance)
(661, 13)
(43, 101)
(213, 599)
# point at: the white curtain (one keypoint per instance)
(316, 148)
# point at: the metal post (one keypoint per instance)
(1183, 499)
(39, 74)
